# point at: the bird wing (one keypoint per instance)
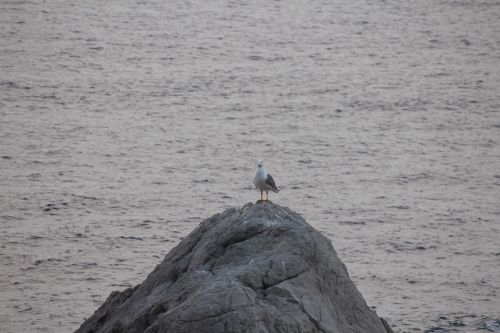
(270, 182)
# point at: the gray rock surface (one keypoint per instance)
(260, 268)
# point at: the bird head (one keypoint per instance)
(260, 164)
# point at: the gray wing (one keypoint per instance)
(270, 182)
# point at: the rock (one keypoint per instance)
(260, 268)
(492, 325)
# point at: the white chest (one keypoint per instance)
(260, 179)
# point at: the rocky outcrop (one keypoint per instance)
(260, 268)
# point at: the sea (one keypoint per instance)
(124, 124)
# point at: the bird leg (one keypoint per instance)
(267, 195)
(261, 197)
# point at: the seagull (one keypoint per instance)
(264, 181)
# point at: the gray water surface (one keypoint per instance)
(123, 124)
